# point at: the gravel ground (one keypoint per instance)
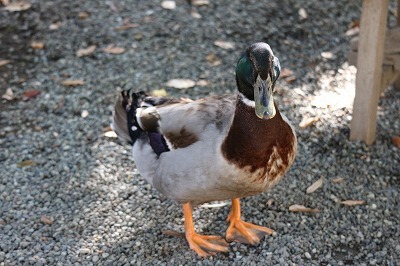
(71, 195)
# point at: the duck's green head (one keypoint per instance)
(256, 74)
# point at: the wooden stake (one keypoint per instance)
(369, 69)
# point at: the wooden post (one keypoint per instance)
(397, 82)
(369, 69)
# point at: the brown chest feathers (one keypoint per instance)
(265, 147)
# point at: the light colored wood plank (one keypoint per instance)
(369, 69)
(397, 82)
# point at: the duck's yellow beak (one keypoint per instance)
(263, 90)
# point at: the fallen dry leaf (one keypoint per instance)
(17, 6)
(73, 82)
(195, 14)
(26, 163)
(225, 45)
(126, 26)
(30, 94)
(213, 60)
(270, 202)
(159, 93)
(168, 4)
(352, 202)
(46, 220)
(37, 45)
(9, 95)
(55, 26)
(301, 208)
(396, 141)
(180, 83)
(316, 185)
(308, 121)
(200, 2)
(5, 2)
(4, 62)
(110, 134)
(173, 233)
(83, 15)
(337, 180)
(202, 83)
(86, 51)
(111, 49)
(107, 128)
(286, 72)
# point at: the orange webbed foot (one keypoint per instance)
(206, 246)
(241, 231)
(203, 245)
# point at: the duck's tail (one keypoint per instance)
(124, 121)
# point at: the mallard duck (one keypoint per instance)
(216, 148)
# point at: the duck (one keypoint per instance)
(222, 147)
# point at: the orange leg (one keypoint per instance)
(203, 245)
(241, 231)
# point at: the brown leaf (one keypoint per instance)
(86, 51)
(173, 233)
(46, 220)
(286, 72)
(55, 26)
(200, 2)
(195, 14)
(111, 49)
(83, 15)
(337, 180)
(168, 4)
(126, 26)
(270, 202)
(9, 95)
(225, 45)
(17, 6)
(396, 141)
(107, 128)
(26, 163)
(30, 94)
(213, 60)
(73, 82)
(353, 202)
(308, 121)
(180, 83)
(301, 208)
(202, 83)
(290, 79)
(5, 2)
(4, 62)
(37, 45)
(316, 185)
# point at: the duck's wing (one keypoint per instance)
(178, 122)
(184, 123)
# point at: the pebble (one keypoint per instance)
(308, 256)
(103, 212)
(84, 251)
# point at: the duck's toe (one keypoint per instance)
(247, 233)
(206, 246)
